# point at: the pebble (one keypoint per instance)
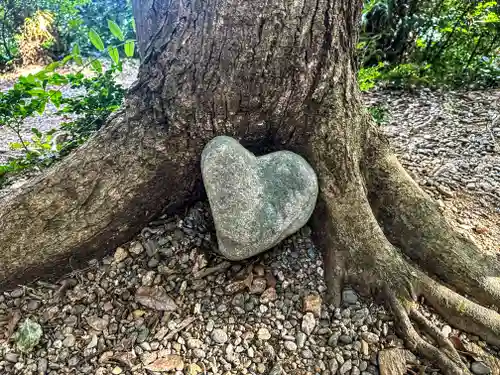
(480, 368)
(308, 323)
(307, 354)
(263, 334)
(346, 367)
(219, 336)
(120, 254)
(333, 366)
(69, 341)
(16, 293)
(349, 297)
(290, 346)
(11, 357)
(300, 339)
(312, 303)
(370, 337)
(136, 248)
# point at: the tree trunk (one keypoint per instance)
(275, 75)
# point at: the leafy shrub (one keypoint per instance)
(379, 114)
(446, 42)
(95, 15)
(32, 93)
(369, 76)
(102, 97)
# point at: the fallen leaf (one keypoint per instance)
(249, 279)
(270, 279)
(155, 298)
(457, 343)
(138, 313)
(169, 363)
(11, 326)
(99, 324)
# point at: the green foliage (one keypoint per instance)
(379, 114)
(102, 97)
(104, 15)
(28, 336)
(129, 48)
(31, 94)
(434, 42)
(115, 30)
(72, 22)
(368, 77)
(96, 40)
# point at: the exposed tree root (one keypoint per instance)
(374, 263)
(461, 312)
(450, 366)
(412, 221)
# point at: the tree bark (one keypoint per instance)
(275, 75)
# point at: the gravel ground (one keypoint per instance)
(165, 303)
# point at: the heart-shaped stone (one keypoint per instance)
(256, 202)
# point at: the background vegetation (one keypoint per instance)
(430, 42)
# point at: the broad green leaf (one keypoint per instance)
(66, 59)
(37, 91)
(55, 97)
(41, 107)
(113, 53)
(37, 132)
(16, 146)
(96, 40)
(75, 51)
(115, 30)
(96, 65)
(133, 25)
(52, 66)
(78, 60)
(129, 48)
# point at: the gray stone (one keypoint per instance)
(370, 337)
(290, 346)
(11, 357)
(344, 339)
(263, 334)
(194, 343)
(219, 336)
(308, 323)
(300, 339)
(42, 365)
(480, 368)
(307, 354)
(334, 366)
(349, 296)
(346, 367)
(256, 202)
(69, 341)
(199, 353)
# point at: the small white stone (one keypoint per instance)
(263, 334)
(290, 346)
